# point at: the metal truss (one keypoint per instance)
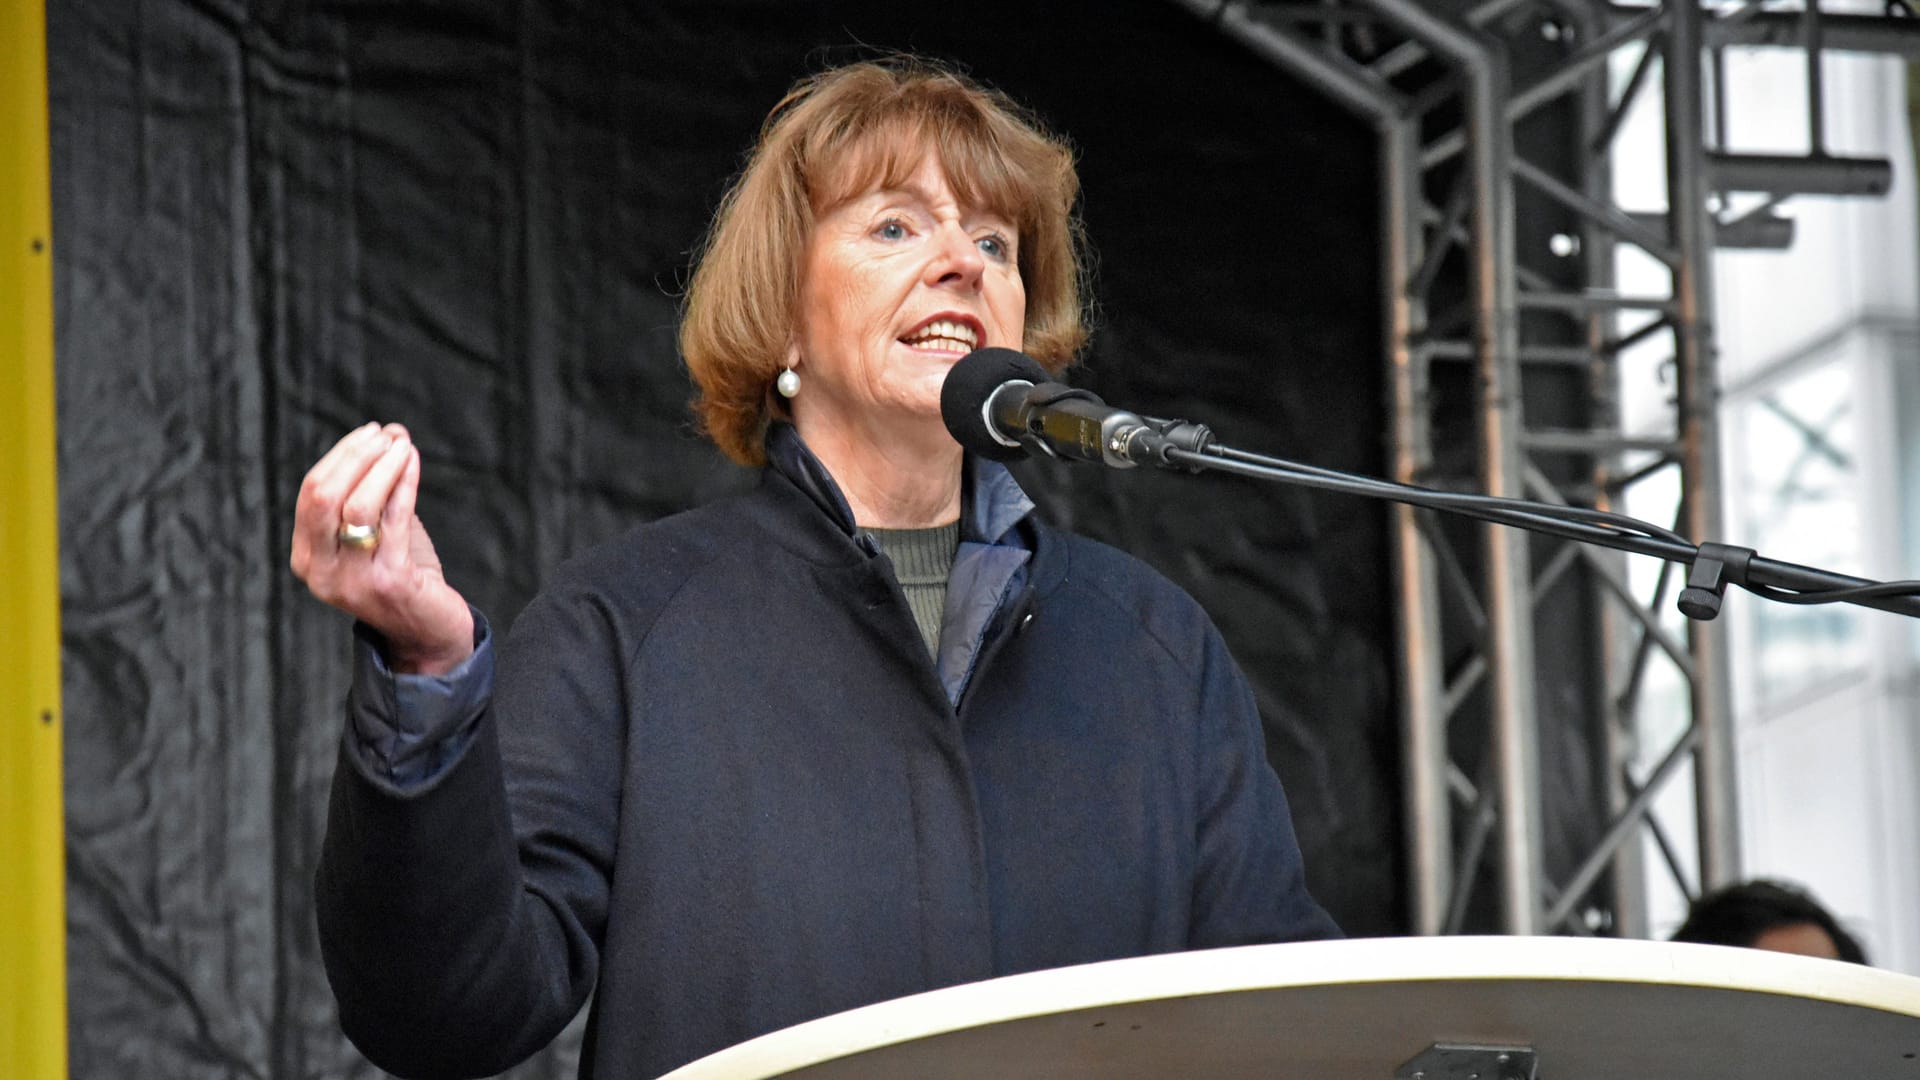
(1434, 82)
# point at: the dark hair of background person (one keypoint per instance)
(1739, 914)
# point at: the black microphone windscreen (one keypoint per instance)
(963, 397)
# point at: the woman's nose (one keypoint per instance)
(958, 260)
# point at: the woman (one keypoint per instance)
(868, 730)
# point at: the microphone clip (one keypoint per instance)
(1150, 445)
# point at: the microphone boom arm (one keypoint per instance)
(1177, 444)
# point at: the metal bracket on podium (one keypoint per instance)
(1469, 1061)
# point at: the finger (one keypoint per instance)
(317, 511)
(367, 501)
(329, 497)
(397, 523)
(306, 508)
(342, 453)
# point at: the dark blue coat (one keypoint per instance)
(720, 781)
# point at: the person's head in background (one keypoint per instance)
(1769, 915)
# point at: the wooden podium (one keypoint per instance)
(1496, 1008)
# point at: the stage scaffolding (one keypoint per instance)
(1432, 79)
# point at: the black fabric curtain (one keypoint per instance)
(276, 220)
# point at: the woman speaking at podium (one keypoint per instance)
(867, 730)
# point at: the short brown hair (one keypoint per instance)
(834, 137)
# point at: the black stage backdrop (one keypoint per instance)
(276, 220)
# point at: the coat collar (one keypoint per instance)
(991, 500)
(990, 568)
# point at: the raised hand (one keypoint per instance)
(394, 584)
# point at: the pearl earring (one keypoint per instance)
(788, 383)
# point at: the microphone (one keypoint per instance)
(1000, 403)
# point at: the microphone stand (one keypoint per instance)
(1181, 445)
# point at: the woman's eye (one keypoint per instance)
(995, 246)
(891, 229)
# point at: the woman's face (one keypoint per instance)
(897, 285)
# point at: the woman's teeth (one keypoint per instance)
(944, 334)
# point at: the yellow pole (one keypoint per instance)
(33, 994)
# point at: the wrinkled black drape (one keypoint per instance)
(275, 220)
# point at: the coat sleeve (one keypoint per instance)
(1250, 882)
(407, 729)
(460, 919)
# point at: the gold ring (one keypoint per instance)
(358, 537)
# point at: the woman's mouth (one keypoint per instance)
(944, 335)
